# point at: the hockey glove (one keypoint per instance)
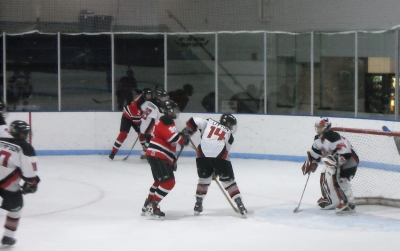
(28, 188)
(174, 166)
(187, 131)
(310, 165)
(331, 161)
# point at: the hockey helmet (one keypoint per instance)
(322, 126)
(229, 121)
(162, 95)
(19, 129)
(170, 109)
(147, 93)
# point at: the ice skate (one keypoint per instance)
(111, 156)
(346, 207)
(323, 202)
(153, 210)
(8, 241)
(242, 209)
(146, 203)
(198, 207)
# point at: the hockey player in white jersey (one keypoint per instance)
(340, 166)
(151, 112)
(213, 157)
(18, 161)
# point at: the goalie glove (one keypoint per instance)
(28, 188)
(331, 161)
(310, 165)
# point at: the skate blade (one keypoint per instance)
(196, 213)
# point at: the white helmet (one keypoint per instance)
(322, 125)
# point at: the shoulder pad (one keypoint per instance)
(166, 120)
(332, 136)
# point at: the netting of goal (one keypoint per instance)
(377, 180)
(94, 16)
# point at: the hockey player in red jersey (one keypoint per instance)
(18, 162)
(212, 157)
(131, 117)
(340, 167)
(151, 112)
(161, 157)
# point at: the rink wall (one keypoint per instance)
(272, 137)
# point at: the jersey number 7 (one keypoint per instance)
(5, 156)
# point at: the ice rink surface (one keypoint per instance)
(92, 203)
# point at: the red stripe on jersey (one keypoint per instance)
(10, 180)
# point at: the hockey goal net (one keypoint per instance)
(377, 181)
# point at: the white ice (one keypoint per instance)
(92, 203)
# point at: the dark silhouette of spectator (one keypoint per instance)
(181, 96)
(125, 87)
(248, 101)
(208, 102)
(19, 88)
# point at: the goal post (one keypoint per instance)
(377, 181)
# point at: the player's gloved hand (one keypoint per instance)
(29, 188)
(186, 139)
(174, 166)
(310, 165)
(187, 131)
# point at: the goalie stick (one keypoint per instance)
(297, 208)
(219, 184)
(131, 148)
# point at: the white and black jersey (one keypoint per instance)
(151, 112)
(216, 139)
(18, 161)
(332, 143)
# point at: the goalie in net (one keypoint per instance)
(340, 166)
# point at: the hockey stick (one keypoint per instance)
(219, 184)
(131, 149)
(297, 208)
(100, 102)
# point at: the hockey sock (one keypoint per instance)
(11, 224)
(163, 189)
(232, 189)
(202, 187)
(152, 190)
(118, 142)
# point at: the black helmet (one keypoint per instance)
(147, 91)
(170, 109)
(229, 121)
(162, 95)
(19, 129)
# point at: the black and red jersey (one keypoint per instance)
(164, 140)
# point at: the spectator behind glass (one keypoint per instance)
(124, 89)
(181, 96)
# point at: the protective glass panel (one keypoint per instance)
(335, 92)
(191, 71)
(32, 79)
(376, 76)
(288, 74)
(85, 72)
(241, 73)
(139, 63)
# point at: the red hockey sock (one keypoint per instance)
(163, 189)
